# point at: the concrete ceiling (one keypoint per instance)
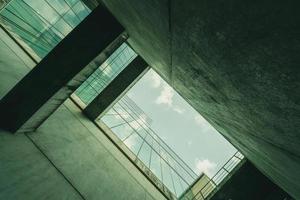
(237, 63)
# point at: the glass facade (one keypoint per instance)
(39, 25)
(133, 128)
(105, 73)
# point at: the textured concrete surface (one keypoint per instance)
(12, 73)
(237, 63)
(59, 73)
(248, 183)
(67, 158)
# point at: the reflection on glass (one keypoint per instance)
(105, 74)
(156, 156)
(40, 25)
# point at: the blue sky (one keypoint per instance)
(180, 126)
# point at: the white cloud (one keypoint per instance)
(166, 96)
(155, 79)
(178, 109)
(203, 124)
(205, 166)
(199, 120)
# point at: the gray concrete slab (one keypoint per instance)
(46, 86)
(248, 183)
(26, 174)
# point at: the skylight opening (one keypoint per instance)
(174, 143)
(171, 143)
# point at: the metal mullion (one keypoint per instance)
(128, 136)
(160, 154)
(125, 100)
(19, 15)
(175, 154)
(112, 127)
(171, 176)
(127, 104)
(71, 7)
(20, 37)
(37, 14)
(34, 36)
(151, 147)
(61, 16)
(160, 162)
(141, 145)
(43, 17)
(40, 17)
(179, 178)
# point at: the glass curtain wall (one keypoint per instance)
(39, 25)
(133, 128)
(105, 73)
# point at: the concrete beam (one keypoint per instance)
(249, 183)
(115, 90)
(58, 75)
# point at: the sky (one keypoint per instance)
(181, 126)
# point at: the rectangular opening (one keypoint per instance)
(171, 143)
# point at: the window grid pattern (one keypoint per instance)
(132, 126)
(105, 73)
(41, 24)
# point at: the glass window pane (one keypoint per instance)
(80, 10)
(123, 131)
(155, 164)
(71, 2)
(106, 72)
(144, 154)
(43, 9)
(166, 173)
(133, 143)
(71, 18)
(112, 120)
(40, 23)
(59, 5)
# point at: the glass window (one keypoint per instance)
(59, 5)
(42, 24)
(123, 131)
(144, 154)
(72, 19)
(106, 72)
(62, 27)
(80, 10)
(155, 166)
(134, 143)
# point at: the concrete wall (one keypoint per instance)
(67, 158)
(237, 63)
(248, 184)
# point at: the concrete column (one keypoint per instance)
(117, 88)
(59, 74)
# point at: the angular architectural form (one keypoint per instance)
(66, 66)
